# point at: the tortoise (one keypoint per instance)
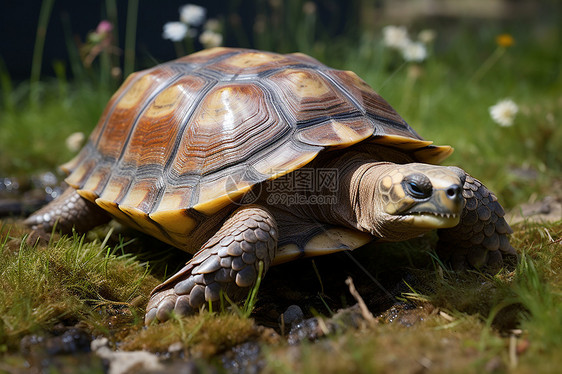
(248, 159)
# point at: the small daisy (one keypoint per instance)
(193, 15)
(395, 36)
(504, 112)
(210, 39)
(414, 51)
(175, 31)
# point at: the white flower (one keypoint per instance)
(427, 36)
(175, 31)
(193, 15)
(395, 36)
(503, 113)
(74, 141)
(210, 39)
(414, 51)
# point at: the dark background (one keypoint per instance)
(19, 19)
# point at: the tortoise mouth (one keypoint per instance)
(432, 220)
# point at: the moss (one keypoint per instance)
(67, 280)
(203, 335)
(433, 344)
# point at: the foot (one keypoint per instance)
(68, 211)
(481, 239)
(227, 263)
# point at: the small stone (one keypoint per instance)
(293, 315)
(175, 347)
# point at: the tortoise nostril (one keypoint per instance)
(454, 191)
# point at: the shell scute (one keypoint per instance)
(142, 194)
(373, 104)
(158, 127)
(229, 125)
(249, 64)
(124, 115)
(341, 133)
(308, 97)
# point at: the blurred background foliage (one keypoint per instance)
(59, 66)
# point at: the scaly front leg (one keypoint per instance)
(481, 239)
(228, 263)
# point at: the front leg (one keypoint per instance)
(228, 263)
(481, 239)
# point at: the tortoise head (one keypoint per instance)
(411, 199)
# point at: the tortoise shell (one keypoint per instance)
(181, 141)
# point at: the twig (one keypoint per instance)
(364, 310)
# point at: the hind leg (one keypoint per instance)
(69, 210)
(227, 263)
(481, 239)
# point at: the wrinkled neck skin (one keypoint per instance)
(359, 205)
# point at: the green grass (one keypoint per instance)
(69, 280)
(33, 140)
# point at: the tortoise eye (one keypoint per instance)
(417, 186)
